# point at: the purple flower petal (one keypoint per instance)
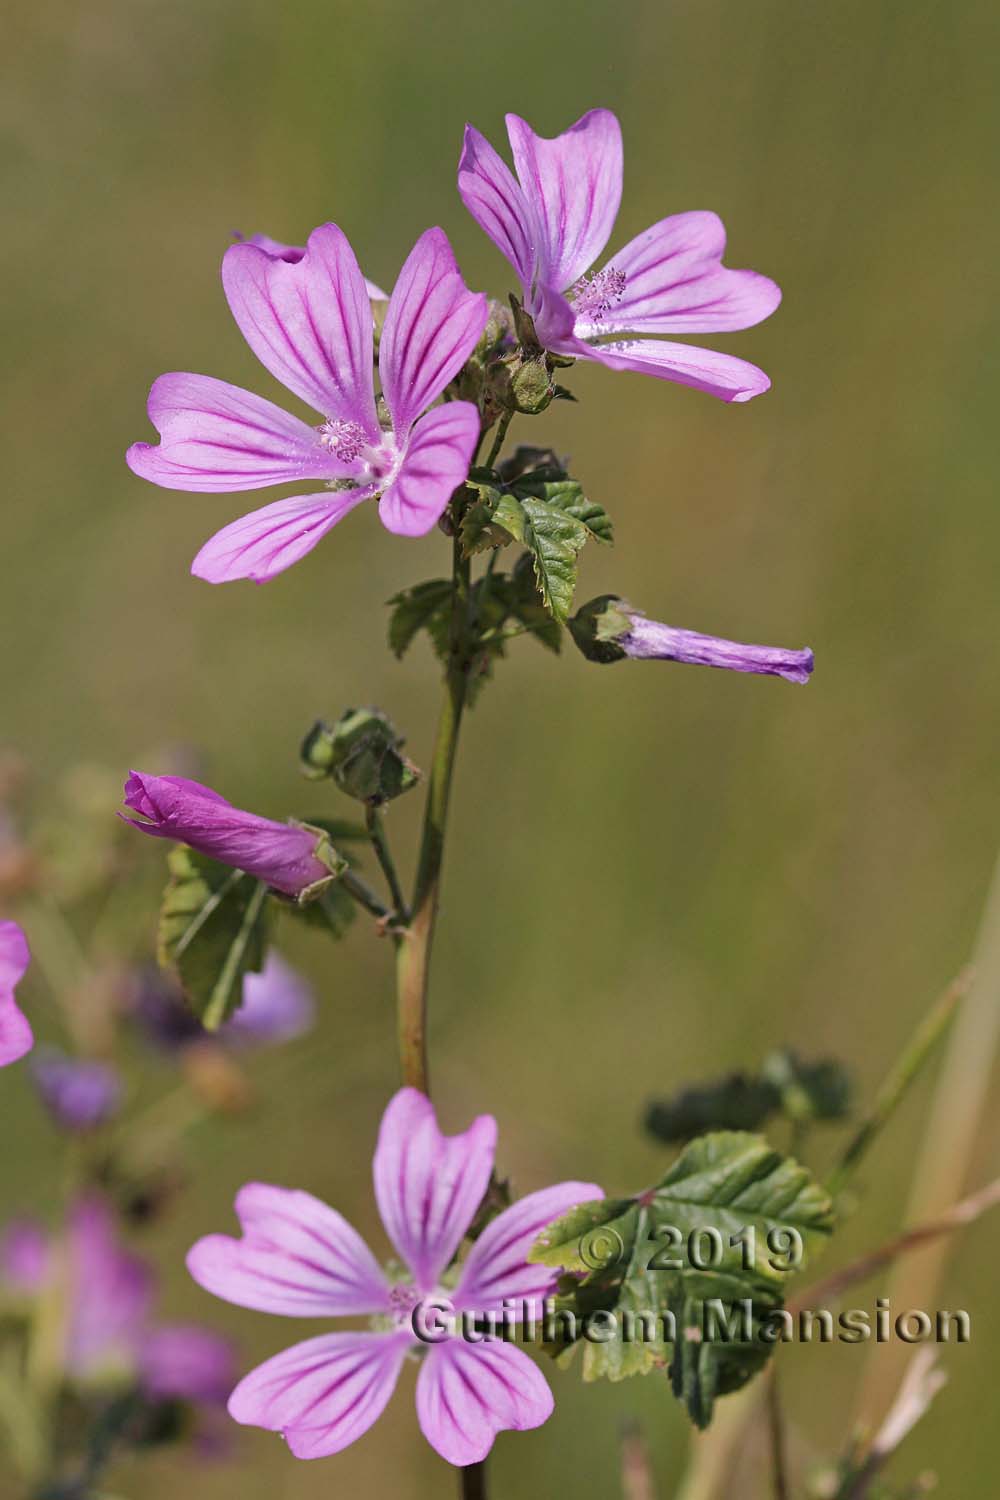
(428, 1185)
(467, 1393)
(436, 463)
(15, 1032)
(215, 436)
(277, 1005)
(432, 325)
(573, 186)
(309, 322)
(297, 1257)
(707, 370)
(294, 253)
(322, 1394)
(110, 1295)
(79, 1093)
(186, 1362)
(25, 1256)
(171, 807)
(672, 281)
(497, 1266)
(494, 198)
(265, 542)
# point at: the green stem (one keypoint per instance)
(363, 895)
(498, 439)
(413, 967)
(474, 1482)
(376, 832)
(776, 1430)
(923, 1042)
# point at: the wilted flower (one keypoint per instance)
(309, 321)
(300, 1258)
(607, 629)
(78, 1092)
(15, 1033)
(285, 856)
(109, 1335)
(552, 222)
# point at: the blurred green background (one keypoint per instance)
(655, 873)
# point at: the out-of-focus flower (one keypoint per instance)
(607, 630)
(278, 250)
(300, 1258)
(24, 1257)
(79, 1093)
(15, 1033)
(309, 321)
(109, 1334)
(277, 1006)
(553, 221)
(285, 856)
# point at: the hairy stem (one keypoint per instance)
(413, 964)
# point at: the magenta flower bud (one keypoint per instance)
(288, 857)
(607, 629)
(79, 1093)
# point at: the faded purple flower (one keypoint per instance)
(607, 629)
(553, 221)
(300, 1258)
(278, 250)
(171, 807)
(79, 1093)
(277, 1005)
(648, 639)
(309, 322)
(107, 1295)
(15, 1033)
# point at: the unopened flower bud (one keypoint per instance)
(532, 387)
(362, 752)
(78, 1093)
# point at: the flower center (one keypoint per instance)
(348, 440)
(593, 297)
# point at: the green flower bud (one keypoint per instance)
(362, 753)
(597, 627)
(532, 387)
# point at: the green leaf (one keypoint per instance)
(738, 1101)
(212, 931)
(526, 605)
(732, 1181)
(423, 607)
(554, 540)
(567, 495)
(526, 457)
(635, 1258)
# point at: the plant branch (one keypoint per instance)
(363, 895)
(866, 1266)
(498, 439)
(413, 967)
(776, 1432)
(897, 1082)
(380, 843)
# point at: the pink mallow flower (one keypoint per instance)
(109, 1335)
(284, 855)
(309, 321)
(302, 1259)
(553, 221)
(278, 250)
(15, 1033)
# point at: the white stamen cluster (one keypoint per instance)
(594, 296)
